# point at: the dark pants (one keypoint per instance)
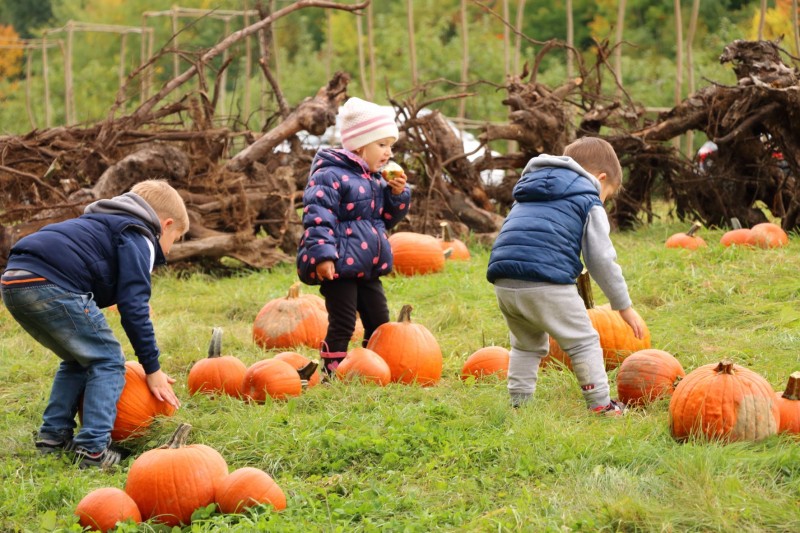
(343, 297)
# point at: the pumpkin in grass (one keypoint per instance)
(410, 350)
(789, 406)
(271, 377)
(487, 361)
(169, 483)
(415, 253)
(723, 401)
(648, 375)
(216, 373)
(768, 235)
(102, 508)
(687, 240)
(137, 407)
(296, 320)
(365, 365)
(299, 361)
(246, 487)
(737, 237)
(616, 336)
(459, 252)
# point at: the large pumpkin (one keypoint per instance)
(102, 508)
(246, 487)
(789, 405)
(217, 374)
(723, 401)
(415, 253)
(299, 362)
(365, 365)
(271, 377)
(137, 407)
(169, 483)
(616, 336)
(487, 361)
(410, 350)
(458, 250)
(648, 375)
(687, 240)
(768, 235)
(292, 321)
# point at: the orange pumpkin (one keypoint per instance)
(217, 374)
(789, 405)
(364, 365)
(687, 240)
(648, 375)
(246, 487)
(272, 377)
(723, 401)
(737, 237)
(616, 336)
(101, 509)
(415, 253)
(137, 407)
(459, 252)
(299, 361)
(169, 483)
(488, 361)
(410, 350)
(768, 235)
(291, 321)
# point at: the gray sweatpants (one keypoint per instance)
(532, 311)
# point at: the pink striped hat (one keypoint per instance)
(364, 122)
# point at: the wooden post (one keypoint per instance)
(794, 28)
(248, 64)
(223, 82)
(361, 62)
(678, 60)
(328, 45)
(690, 68)
(122, 42)
(462, 105)
(570, 38)
(412, 49)
(371, 47)
(69, 110)
(46, 78)
(518, 25)
(506, 41)
(762, 16)
(143, 60)
(175, 57)
(618, 44)
(28, 75)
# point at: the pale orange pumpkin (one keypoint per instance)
(272, 377)
(415, 253)
(687, 240)
(299, 361)
(169, 483)
(768, 235)
(291, 321)
(789, 406)
(102, 508)
(410, 350)
(723, 401)
(137, 407)
(487, 361)
(364, 365)
(459, 250)
(217, 374)
(246, 487)
(737, 237)
(648, 375)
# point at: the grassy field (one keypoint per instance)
(455, 457)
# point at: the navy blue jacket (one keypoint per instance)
(346, 212)
(109, 253)
(541, 237)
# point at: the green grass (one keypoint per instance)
(455, 457)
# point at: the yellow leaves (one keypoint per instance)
(10, 56)
(777, 23)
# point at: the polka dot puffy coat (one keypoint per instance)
(346, 212)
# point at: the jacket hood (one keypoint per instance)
(549, 177)
(335, 157)
(130, 204)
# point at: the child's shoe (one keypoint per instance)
(47, 446)
(520, 399)
(107, 458)
(614, 408)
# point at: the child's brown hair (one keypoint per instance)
(596, 155)
(165, 201)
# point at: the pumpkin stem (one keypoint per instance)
(585, 289)
(447, 253)
(215, 346)
(724, 367)
(307, 371)
(677, 380)
(792, 391)
(405, 313)
(446, 235)
(696, 226)
(178, 438)
(735, 224)
(294, 290)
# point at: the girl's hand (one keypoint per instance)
(326, 270)
(398, 184)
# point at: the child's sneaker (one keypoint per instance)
(615, 408)
(47, 446)
(107, 458)
(519, 400)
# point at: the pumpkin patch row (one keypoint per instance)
(764, 235)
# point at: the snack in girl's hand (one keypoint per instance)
(391, 171)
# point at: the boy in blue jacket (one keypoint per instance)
(557, 217)
(55, 284)
(347, 209)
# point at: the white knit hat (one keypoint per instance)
(364, 122)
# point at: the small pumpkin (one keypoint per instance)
(169, 483)
(487, 361)
(723, 401)
(217, 374)
(687, 240)
(459, 252)
(102, 508)
(410, 350)
(137, 407)
(768, 235)
(415, 253)
(789, 406)
(292, 321)
(299, 362)
(246, 487)
(648, 375)
(271, 377)
(365, 365)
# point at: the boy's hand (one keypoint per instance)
(326, 270)
(633, 319)
(398, 184)
(160, 385)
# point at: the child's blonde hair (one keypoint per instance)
(165, 201)
(596, 155)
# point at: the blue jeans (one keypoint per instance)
(92, 366)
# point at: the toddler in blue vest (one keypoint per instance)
(55, 284)
(347, 209)
(557, 218)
